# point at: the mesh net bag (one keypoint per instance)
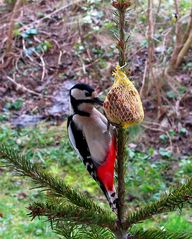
(123, 104)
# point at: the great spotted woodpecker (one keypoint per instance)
(92, 139)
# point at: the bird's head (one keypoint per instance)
(83, 98)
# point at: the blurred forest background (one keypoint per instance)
(48, 46)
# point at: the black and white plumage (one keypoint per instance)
(91, 139)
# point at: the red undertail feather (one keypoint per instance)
(106, 171)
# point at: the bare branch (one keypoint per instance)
(9, 44)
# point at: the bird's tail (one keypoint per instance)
(111, 197)
(113, 200)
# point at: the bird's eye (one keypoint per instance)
(87, 94)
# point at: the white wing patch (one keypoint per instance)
(72, 141)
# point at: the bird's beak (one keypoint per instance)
(98, 101)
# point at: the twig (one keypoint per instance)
(184, 50)
(88, 65)
(9, 44)
(153, 129)
(151, 123)
(36, 22)
(59, 58)
(189, 28)
(178, 44)
(157, 13)
(82, 41)
(22, 88)
(42, 64)
(17, 62)
(170, 141)
(165, 35)
(25, 50)
(176, 2)
(143, 80)
(151, 57)
(158, 9)
(183, 43)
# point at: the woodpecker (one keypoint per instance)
(92, 139)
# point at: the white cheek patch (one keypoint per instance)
(79, 94)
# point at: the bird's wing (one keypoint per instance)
(79, 143)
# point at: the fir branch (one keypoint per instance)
(58, 210)
(157, 234)
(71, 230)
(25, 167)
(67, 229)
(168, 202)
